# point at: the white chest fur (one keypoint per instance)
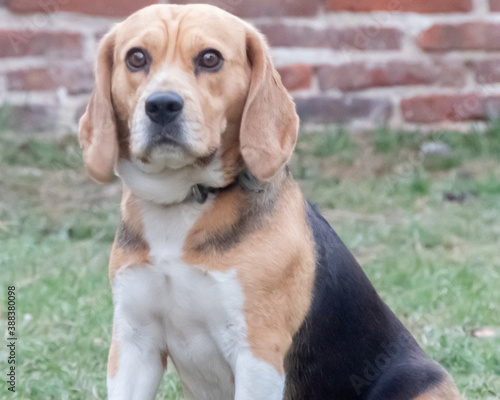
(195, 315)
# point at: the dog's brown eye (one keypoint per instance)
(209, 60)
(136, 59)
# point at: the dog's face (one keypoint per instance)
(178, 86)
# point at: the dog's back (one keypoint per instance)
(351, 345)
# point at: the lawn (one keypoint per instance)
(425, 228)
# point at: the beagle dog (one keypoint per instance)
(219, 264)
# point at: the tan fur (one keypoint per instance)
(279, 295)
(447, 390)
(98, 136)
(222, 216)
(137, 254)
(231, 158)
(275, 265)
(113, 358)
(270, 124)
(164, 358)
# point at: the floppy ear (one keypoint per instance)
(98, 135)
(270, 124)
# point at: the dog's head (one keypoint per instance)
(178, 86)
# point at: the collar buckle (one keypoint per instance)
(245, 180)
(199, 193)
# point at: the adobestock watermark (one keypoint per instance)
(42, 19)
(373, 369)
(361, 40)
(11, 338)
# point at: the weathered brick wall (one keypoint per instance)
(407, 64)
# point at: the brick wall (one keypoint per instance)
(425, 64)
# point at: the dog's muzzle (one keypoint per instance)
(164, 110)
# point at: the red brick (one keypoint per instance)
(32, 79)
(263, 8)
(362, 75)
(488, 71)
(329, 110)
(431, 109)
(297, 76)
(76, 78)
(420, 6)
(283, 35)
(32, 117)
(61, 44)
(112, 8)
(466, 36)
(363, 38)
(371, 38)
(495, 5)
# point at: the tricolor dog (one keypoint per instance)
(219, 263)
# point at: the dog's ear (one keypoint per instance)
(98, 135)
(270, 124)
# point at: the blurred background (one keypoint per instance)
(365, 63)
(400, 148)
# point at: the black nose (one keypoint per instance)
(164, 107)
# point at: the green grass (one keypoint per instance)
(386, 140)
(338, 143)
(435, 262)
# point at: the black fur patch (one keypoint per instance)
(351, 345)
(129, 239)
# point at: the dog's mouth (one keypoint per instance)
(155, 143)
(164, 150)
(166, 136)
(149, 166)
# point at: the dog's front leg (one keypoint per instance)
(135, 365)
(135, 369)
(138, 356)
(255, 379)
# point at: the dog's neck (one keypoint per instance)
(234, 210)
(245, 180)
(190, 184)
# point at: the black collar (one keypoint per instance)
(245, 180)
